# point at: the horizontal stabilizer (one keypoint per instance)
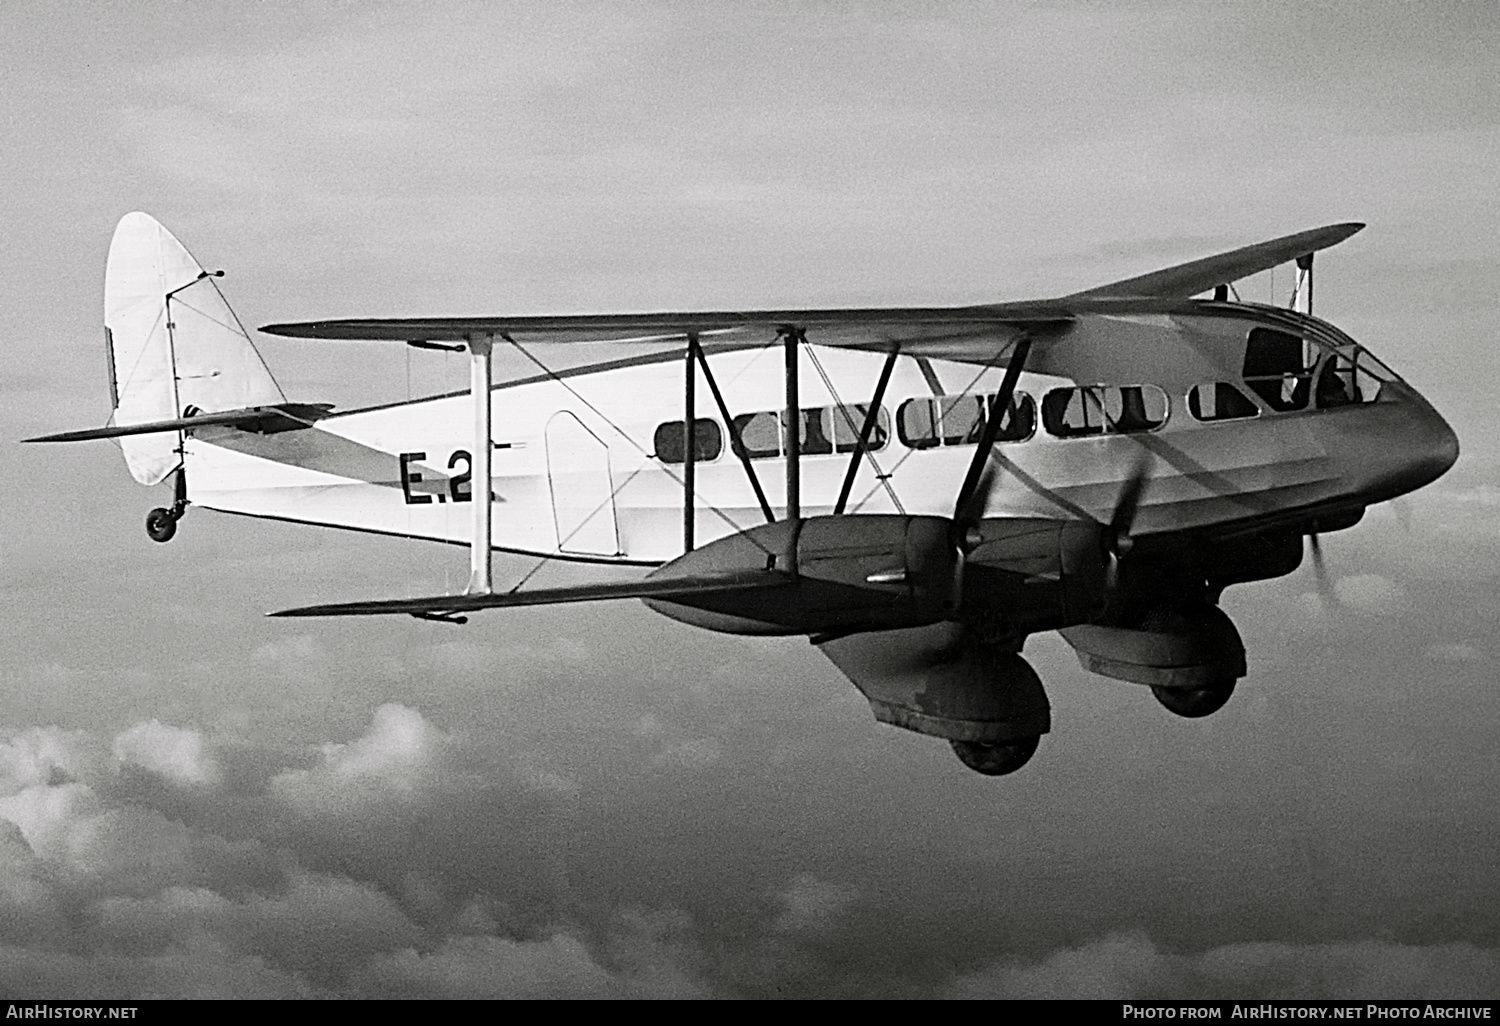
(440, 606)
(1197, 276)
(263, 420)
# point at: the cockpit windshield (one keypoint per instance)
(1317, 365)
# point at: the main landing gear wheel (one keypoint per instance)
(161, 524)
(1195, 702)
(997, 759)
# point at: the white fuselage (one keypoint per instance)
(575, 473)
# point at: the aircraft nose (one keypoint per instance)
(1444, 450)
(1431, 447)
(1406, 446)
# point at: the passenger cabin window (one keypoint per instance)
(1103, 409)
(962, 417)
(813, 437)
(820, 431)
(1220, 401)
(1278, 368)
(844, 423)
(760, 434)
(708, 441)
(959, 420)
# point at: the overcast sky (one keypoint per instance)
(596, 801)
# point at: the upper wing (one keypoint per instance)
(964, 333)
(967, 334)
(1197, 276)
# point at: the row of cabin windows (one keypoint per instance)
(959, 420)
(1281, 368)
(820, 431)
(926, 423)
(1103, 409)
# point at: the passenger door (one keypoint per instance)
(583, 500)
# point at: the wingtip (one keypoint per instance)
(64, 436)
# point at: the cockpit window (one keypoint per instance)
(1335, 385)
(1352, 376)
(1278, 368)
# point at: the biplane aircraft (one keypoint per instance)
(916, 491)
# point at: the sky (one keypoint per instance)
(594, 801)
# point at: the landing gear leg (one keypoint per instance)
(161, 523)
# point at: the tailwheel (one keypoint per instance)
(998, 758)
(1195, 702)
(161, 524)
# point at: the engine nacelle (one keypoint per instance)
(1187, 647)
(1257, 557)
(880, 572)
(939, 680)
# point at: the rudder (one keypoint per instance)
(174, 344)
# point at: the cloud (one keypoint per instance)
(48, 755)
(374, 871)
(490, 967)
(405, 862)
(174, 753)
(1130, 966)
(401, 755)
(200, 970)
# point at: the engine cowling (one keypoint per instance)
(1176, 647)
(939, 680)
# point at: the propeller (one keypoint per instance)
(1117, 539)
(1320, 571)
(969, 510)
(964, 532)
(979, 482)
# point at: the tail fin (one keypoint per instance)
(174, 344)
